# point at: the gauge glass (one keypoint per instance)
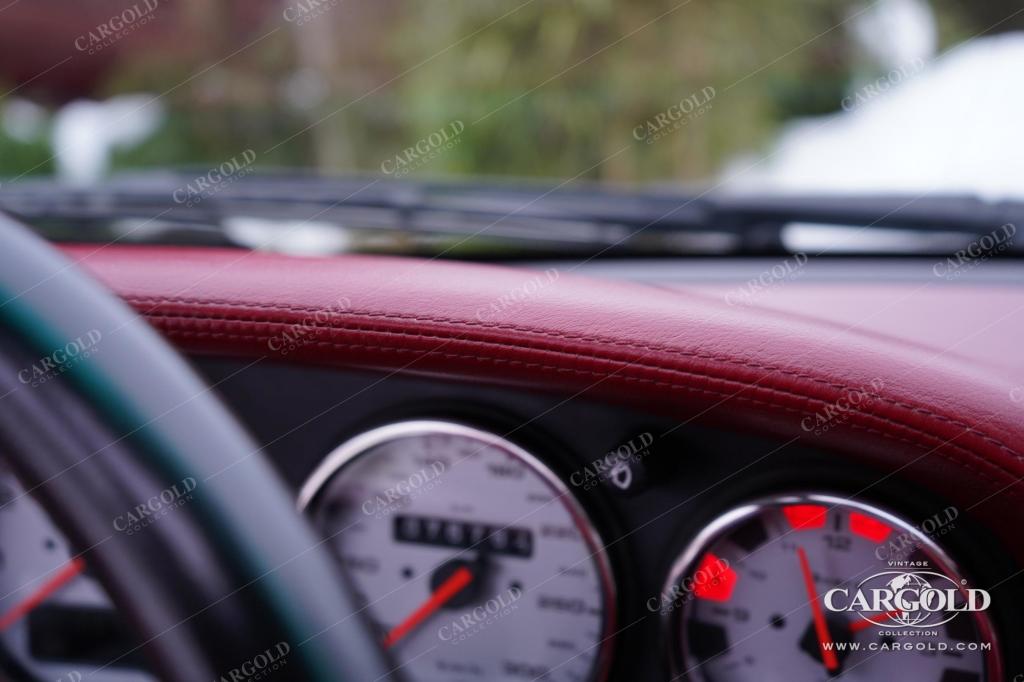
(785, 589)
(470, 556)
(56, 621)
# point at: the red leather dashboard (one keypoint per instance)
(940, 419)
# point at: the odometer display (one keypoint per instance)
(470, 556)
(469, 535)
(816, 587)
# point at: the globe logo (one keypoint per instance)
(916, 583)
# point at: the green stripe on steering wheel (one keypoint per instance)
(122, 413)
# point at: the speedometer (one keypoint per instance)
(470, 556)
(816, 587)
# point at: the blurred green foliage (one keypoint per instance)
(545, 89)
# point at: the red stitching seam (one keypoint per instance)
(670, 351)
(917, 443)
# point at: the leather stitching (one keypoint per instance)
(667, 350)
(672, 385)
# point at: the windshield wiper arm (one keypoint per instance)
(583, 219)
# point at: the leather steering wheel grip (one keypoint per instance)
(231, 571)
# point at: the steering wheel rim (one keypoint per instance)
(159, 425)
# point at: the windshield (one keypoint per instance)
(852, 96)
(700, 97)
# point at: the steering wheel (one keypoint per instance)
(233, 573)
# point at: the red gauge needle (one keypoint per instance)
(865, 624)
(828, 656)
(66, 573)
(454, 584)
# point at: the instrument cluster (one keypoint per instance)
(475, 559)
(480, 553)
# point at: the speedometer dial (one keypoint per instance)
(471, 557)
(814, 587)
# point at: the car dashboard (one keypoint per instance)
(610, 504)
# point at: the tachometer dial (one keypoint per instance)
(814, 587)
(471, 557)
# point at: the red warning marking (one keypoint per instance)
(714, 579)
(805, 516)
(868, 527)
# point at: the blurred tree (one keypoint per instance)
(558, 89)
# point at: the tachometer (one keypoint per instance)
(814, 587)
(471, 557)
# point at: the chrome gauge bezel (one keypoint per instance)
(363, 443)
(672, 622)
